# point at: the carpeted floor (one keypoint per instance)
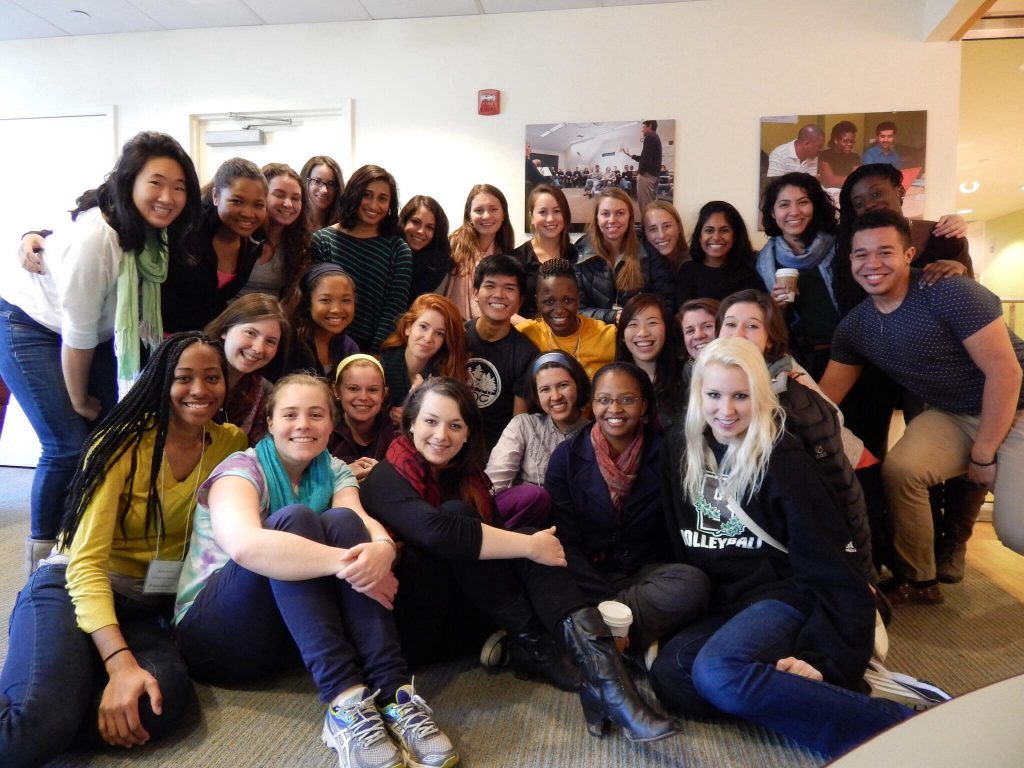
(975, 638)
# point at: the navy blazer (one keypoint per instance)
(603, 548)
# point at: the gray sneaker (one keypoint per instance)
(424, 744)
(356, 732)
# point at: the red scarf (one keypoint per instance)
(474, 488)
(619, 474)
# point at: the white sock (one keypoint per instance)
(349, 696)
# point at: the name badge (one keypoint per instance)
(162, 577)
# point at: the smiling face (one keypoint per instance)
(613, 219)
(698, 326)
(886, 139)
(332, 303)
(557, 395)
(746, 321)
(619, 407)
(716, 239)
(725, 402)
(300, 423)
(486, 215)
(661, 231)
(439, 431)
(793, 212)
(558, 300)
(322, 187)
(547, 219)
(426, 335)
(374, 205)
(198, 389)
(284, 200)
(419, 229)
(873, 193)
(242, 206)
(361, 392)
(881, 263)
(159, 192)
(844, 142)
(251, 346)
(644, 335)
(498, 297)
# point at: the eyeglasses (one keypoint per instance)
(626, 401)
(317, 183)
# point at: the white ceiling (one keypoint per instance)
(26, 19)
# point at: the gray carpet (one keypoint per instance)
(975, 638)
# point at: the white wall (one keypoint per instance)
(714, 66)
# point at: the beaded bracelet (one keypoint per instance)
(389, 541)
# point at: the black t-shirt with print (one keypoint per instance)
(498, 371)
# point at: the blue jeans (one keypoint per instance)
(728, 665)
(243, 626)
(30, 365)
(53, 678)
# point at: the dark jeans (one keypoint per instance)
(30, 366)
(723, 664)
(53, 678)
(509, 594)
(243, 626)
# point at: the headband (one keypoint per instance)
(323, 268)
(359, 356)
(561, 358)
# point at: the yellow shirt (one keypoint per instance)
(593, 345)
(99, 548)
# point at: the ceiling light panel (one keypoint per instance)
(198, 13)
(18, 23)
(105, 16)
(416, 9)
(526, 6)
(308, 11)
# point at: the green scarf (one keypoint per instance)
(315, 490)
(130, 325)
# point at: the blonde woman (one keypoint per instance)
(790, 629)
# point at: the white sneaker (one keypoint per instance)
(903, 689)
(356, 732)
(424, 745)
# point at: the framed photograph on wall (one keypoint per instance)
(830, 147)
(584, 158)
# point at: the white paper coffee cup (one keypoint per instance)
(617, 616)
(787, 277)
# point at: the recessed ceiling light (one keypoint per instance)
(965, 211)
(969, 187)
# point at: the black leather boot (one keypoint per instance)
(532, 653)
(608, 694)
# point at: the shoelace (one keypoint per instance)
(365, 721)
(415, 708)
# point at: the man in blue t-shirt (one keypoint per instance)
(947, 343)
(884, 149)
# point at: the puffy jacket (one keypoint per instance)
(815, 424)
(600, 298)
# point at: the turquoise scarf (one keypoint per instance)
(315, 490)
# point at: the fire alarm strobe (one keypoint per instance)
(488, 102)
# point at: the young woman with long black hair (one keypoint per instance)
(90, 627)
(97, 298)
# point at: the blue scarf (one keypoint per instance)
(315, 490)
(777, 253)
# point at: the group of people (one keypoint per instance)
(348, 439)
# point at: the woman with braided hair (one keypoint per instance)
(90, 627)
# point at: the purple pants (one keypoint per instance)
(523, 506)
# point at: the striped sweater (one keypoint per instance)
(381, 268)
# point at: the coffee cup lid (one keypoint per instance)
(614, 611)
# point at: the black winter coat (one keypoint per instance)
(599, 298)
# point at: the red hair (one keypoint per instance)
(450, 360)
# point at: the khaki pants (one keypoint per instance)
(935, 447)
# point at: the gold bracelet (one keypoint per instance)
(389, 541)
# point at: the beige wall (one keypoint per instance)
(714, 66)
